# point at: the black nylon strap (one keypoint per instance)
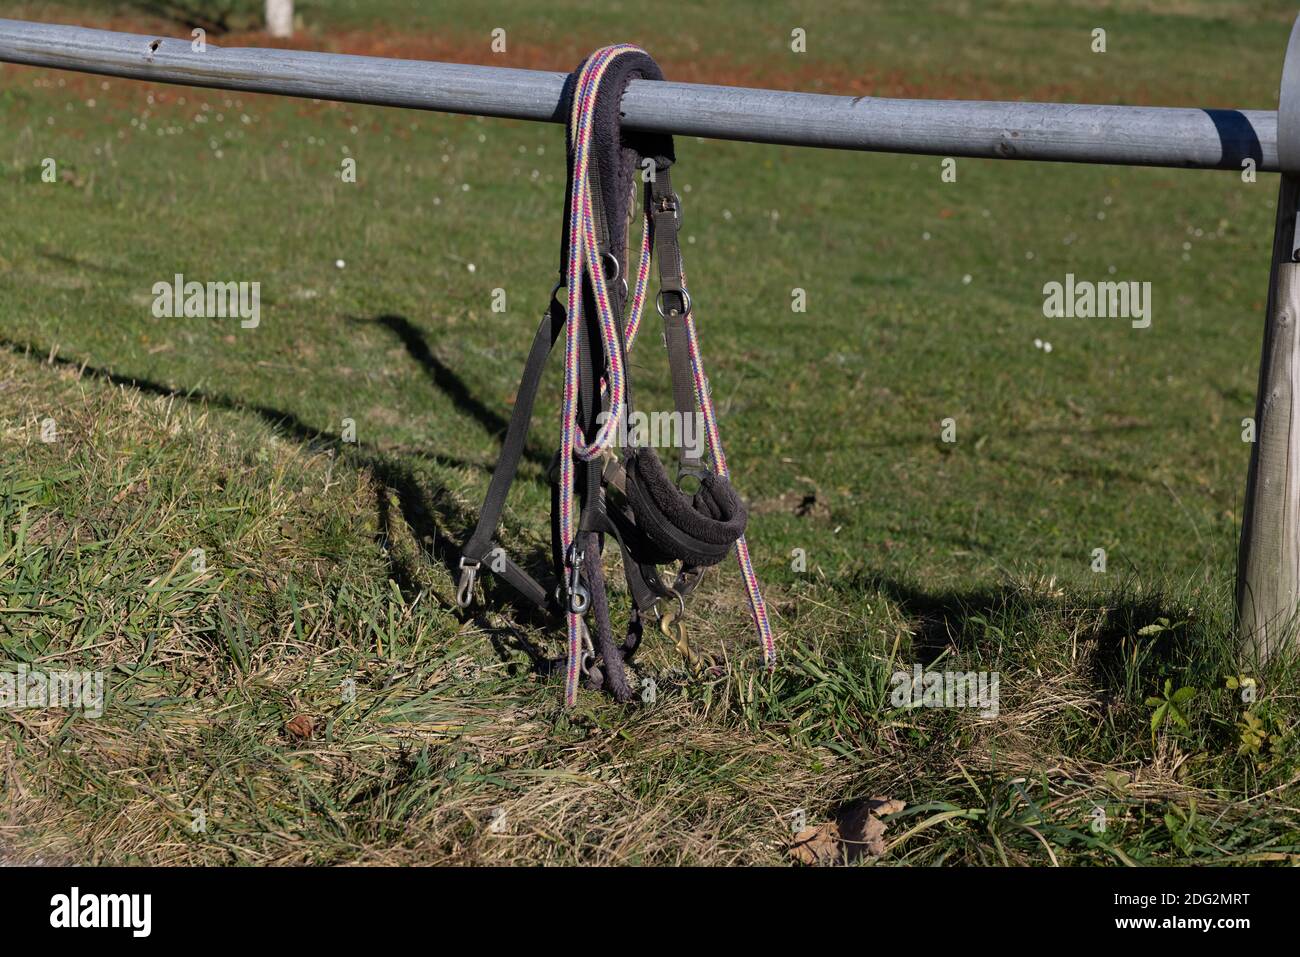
(665, 215)
(673, 303)
(525, 584)
(590, 362)
(503, 476)
(643, 581)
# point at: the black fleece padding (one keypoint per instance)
(701, 530)
(616, 152)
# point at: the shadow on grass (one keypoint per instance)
(538, 562)
(941, 619)
(445, 379)
(427, 507)
(983, 621)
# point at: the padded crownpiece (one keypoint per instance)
(617, 153)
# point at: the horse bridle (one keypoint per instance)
(622, 488)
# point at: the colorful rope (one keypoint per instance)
(712, 435)
(584, 258)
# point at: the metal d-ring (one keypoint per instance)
(686, 303)
(606, 259)
(666, 618)
(697, 474)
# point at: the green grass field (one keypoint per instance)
(326, 592)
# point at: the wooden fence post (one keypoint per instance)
(1268, 562)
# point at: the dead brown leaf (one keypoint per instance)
(856, 831)
(301, 726)
(126, 490)
(817, 845)
(861, 829)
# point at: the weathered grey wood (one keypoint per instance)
(1063, 132)
(1268, 562)
(1268, 579)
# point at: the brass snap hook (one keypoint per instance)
(673, 626)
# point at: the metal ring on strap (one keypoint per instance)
(686, 302)
(681, 602)
(606, 259)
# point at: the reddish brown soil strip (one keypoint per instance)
(817, 77)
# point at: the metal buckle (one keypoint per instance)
(672, 203)
(672, 626)
(465, 587)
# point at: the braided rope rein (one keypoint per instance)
(584, 256)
